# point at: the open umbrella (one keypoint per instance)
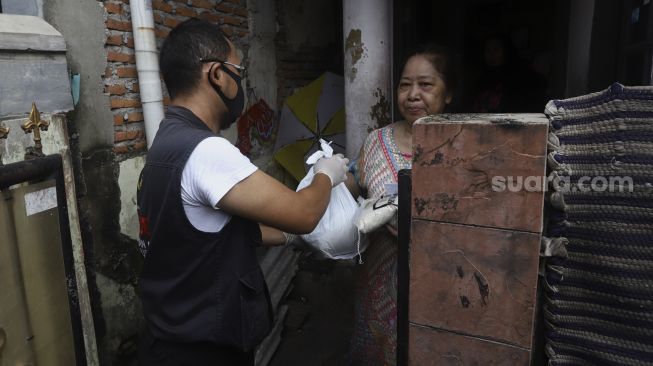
(313, 112)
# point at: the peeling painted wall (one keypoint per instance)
(127, 179)
(368, 67)
(110, 256)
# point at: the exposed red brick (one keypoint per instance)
(135, 117)
(171, 22)
(162, 5)
(161, 33)
(125, 102)
(115, 40)
(135, 88)
(113, 8)
(127, 72)
(121, 149)
(241, 11)
(228, 31)
(202, 4)
(119, 25)
(224, 8)
(233, 1)
(130, 42)
(186, 11)
(231, 20)
(115, 89)
(117, 119)
(121, 57)
(107, 72)
(127, 135)
(210, 16)
(140, 145)
(158, 18)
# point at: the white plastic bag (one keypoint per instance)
(335, 236)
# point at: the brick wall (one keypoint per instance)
(120, 77)
(298, 66)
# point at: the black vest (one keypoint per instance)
(195, 286)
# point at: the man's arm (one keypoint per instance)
(262, 198)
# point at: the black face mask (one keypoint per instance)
(235, 105)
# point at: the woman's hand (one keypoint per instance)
(392, 230)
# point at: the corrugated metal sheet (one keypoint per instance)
(279, 265)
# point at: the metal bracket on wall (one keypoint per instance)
(35, 124)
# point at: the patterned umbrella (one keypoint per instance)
(315, 111)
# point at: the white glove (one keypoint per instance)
(334, 167)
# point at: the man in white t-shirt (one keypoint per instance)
(204, 207)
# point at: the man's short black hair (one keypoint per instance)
(182, 50)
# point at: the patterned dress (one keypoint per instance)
(374, 340)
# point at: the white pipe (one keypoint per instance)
(368, 59)
(147, 66)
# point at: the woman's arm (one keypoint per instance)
(352, 185)
(272, 236)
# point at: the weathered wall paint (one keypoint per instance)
(33, 67)
(129, 172)
(368, 67)
(354, 48)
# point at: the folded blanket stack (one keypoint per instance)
(599, 286)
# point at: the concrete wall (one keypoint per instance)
(23, 7)
(308, 43)
(110, 258)
(32, 66)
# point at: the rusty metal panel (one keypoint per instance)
(432, 347)
(473, 280)
(14, 323)
(41, 279)
(456, 158)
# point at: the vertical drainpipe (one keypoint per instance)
(147, 65)
(368, 68)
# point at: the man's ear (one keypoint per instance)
(215, 74)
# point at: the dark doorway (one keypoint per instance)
(533, 36)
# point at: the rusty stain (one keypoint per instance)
(419, 150)
(352, 74)
(459, 270)
(420, 205)
(443, 201)
(446, 202)
(438, 157)
(483, 288)
(354, 45)
(380, 112)
(464, 301)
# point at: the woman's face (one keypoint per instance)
(421, 90)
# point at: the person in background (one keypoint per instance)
(507, 84)
(200, 202)
(425, 88)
